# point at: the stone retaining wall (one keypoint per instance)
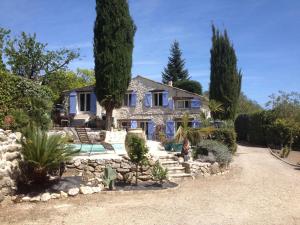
(9, 165)
(197, 168)
(94, 169)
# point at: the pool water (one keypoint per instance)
(98, 148)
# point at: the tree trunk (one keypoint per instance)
(108, 122)
(136, 174)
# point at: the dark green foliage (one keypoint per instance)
(225, 79)
(43, 154)
(241, 124)
(247, 105)
(3, 38)
(137, 151)
(29, 58)
(189, 85)
(110, 175)
(17, 93)
(113, 45)
(226, 136)
(159, 173)
(219, 150)
(175, 70)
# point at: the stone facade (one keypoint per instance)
(93, 169)
(9, 162)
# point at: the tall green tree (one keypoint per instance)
(175, 70)
(225, 78)
(4, 35)
(246, 105)
(30, 58)
(189, 85)
(114, 32)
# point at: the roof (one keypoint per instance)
(91, 88)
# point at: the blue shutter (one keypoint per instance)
(133, 99)
(93, 103)
(151, 130)
(171, 104)
(195, 104)
(196, 123)
(165, 98)
(170, 129)
(133, 124)
(73, 102)
(148, 99)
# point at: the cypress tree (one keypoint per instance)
(114, 32)
(225, 78)
(175, 70)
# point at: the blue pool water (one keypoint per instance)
(97, 148)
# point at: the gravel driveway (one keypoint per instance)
(258, 190)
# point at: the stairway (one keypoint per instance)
(175, 169)
(82, 135)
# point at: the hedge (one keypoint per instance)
(226, 136)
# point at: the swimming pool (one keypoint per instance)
(98, 148)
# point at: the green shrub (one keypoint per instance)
(137, 151)
(219, 150)
(241, 126)
(159, 173)
(227, 136)
(43, 154)
(284, 153)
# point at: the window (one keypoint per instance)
(183, 104)
(127, 99)
(179, 123)
(158, 99)
(85, 102)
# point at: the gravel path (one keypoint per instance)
(258, 190)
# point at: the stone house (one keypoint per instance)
(150, 105)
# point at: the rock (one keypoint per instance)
(3, 138)
(77, 163)
(45, 197)
(121, 170)
(73, 191)
(12, 156)
(86, 190)
(1, 197)
(115, 165)
(90, 168)
(12, 136)
(26, 199)
(7, 132)
(101, 186)
(18, 136)
(96, 189)
(215, 168)
(56, 195)
(120, 177)
(144, 178)
(63, 194)
(35, 198)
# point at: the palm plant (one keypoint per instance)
(215, 107)
(43, 153)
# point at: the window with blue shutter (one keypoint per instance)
(151, 130)
(170, 129)
(93, 103)
(195, 104)
(196, 123)
(148, 99)
(165, 98)
(133, 99)
(133, 124)
(72, 102)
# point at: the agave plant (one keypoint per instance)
(110, 175)
(43, 153)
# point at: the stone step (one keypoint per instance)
(180, 176)
(168, 157)
(169, 163)
(176, 170)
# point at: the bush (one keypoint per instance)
(189, 85)
(219, 150)
(241, 126)
(159, 173)
(227, 137)
(43, 154)
(137, 151)
(28, 96)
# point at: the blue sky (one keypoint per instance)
(265, 34)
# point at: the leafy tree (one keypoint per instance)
(246, 105)
(137, 152)
(29, 58)
(3, 38)
(114, 32)
(175, 70)
(62, 80)
(225, 79)
(189, 85)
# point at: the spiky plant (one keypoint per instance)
(43, 153)
(215, 107)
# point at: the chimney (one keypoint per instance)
(170, 83)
